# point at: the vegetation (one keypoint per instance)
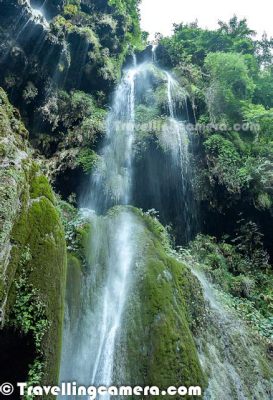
(228, 74)
(240, 267)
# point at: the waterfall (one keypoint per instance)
(175, 137)
(91, 338)
(91, 341)
(96, 316)
(112, 180)
(134, 60)
(114, 296)
(154, 48)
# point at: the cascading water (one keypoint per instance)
(176, 138)
(111, 182)
(91, 342)
(116, 178)
(154, 47)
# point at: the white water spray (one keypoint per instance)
(112, 180)
(175, 138)
(180, 138)
(154, 48)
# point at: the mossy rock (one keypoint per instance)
(156, 346)
(32, 244)
(40, 187)
(39, 229)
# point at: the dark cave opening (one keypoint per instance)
(70, 182)
(17, 353)
(218, 224)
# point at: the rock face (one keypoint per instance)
(32, 247)
(55, 61)
(73, 46)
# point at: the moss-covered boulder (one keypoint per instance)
(157, 345)
(32, 248)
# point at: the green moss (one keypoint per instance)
(172, 357)
(33, 246)
(39, 229)
(40, 187)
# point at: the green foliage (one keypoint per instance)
(191, 43)
(241, 269)
(71, 10)
(264, 51)
(76, 114)
(30, 92)
(225, 163)
(236, 28)
(60, 26)
(87, 159)
(77, 233)
(130, 9)
(257, 114)
(29, 311)
(249, 243)
(75, 106)
(229, 84)
(264, 88)
(145, 114)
